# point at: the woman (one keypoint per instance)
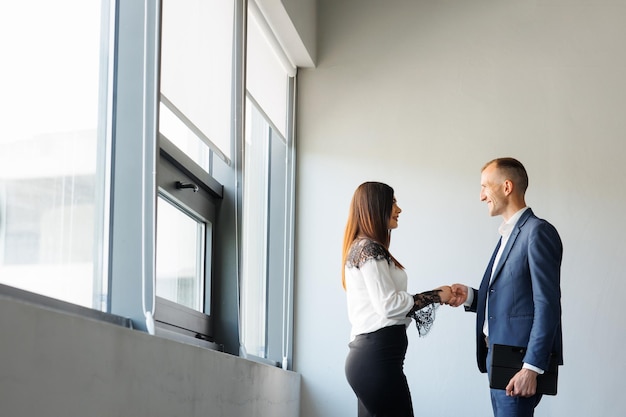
(379, 307)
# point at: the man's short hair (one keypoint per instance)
(513, 170)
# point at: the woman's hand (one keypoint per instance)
(445, 294)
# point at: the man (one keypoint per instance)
(519, 299)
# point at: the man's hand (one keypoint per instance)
(523, 384)
(459, 295)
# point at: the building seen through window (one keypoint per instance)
(49, 140)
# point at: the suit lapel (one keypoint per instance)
(484, 284)
(507, 249)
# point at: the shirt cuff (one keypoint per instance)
(533, 368)
(470, 297)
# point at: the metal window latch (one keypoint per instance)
(181, 185)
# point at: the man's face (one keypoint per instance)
(492, 190)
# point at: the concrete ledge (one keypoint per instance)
(59, 364)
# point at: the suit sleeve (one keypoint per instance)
(473, 292)
(545, 253)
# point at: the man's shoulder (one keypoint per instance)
(530, 218)
(537, 227)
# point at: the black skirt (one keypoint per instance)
(374, 369)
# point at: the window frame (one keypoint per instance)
(174, 165)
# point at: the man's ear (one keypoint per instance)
(508, 187)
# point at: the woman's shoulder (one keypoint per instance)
(365, 249)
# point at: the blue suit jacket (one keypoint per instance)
(524, 294)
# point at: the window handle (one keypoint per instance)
(181, 185)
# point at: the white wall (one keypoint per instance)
(55, 364)
(420, 94)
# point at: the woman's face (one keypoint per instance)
(395, 213)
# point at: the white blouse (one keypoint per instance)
(376, 289)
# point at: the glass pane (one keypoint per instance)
(180, 256)
(184, 138)
(49, 148)
(196, 71)
(254, 285)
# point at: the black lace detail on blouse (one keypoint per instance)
(363, 250)
(423, 312)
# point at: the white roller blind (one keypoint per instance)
(268, 70)
(196, 64)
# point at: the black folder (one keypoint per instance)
(508, 360)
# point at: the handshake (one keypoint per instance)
(453, 295)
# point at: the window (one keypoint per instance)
(125, 188)
(54, 85)
(181, 255)
(187, 207)
(195, 134)
(268, 199)
(265, 237)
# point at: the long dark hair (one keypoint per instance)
(370, 211)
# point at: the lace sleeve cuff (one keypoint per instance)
(425, 299)
(423, 311)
